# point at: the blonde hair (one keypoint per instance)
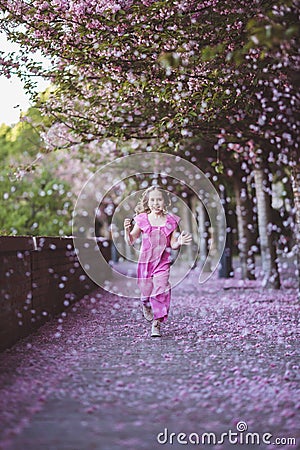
(142, 205)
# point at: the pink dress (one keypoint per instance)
(154, 263)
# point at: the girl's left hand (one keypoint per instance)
(184, 238)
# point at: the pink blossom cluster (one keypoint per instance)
(170, 71)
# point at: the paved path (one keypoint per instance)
(95, 379)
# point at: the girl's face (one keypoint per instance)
(156, 201)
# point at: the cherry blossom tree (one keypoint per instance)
(154, 69)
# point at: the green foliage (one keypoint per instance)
(210, 52)
(6, 145)
(37, 204)
(170, 60)
(218, 166)
(22, 140)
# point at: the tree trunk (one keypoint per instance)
(190, 249)
(296, 192)
(202, 227)
(267, 242)
(225, 266)
(244, 212)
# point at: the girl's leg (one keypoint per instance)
(155, 330)
(161, 296)
(160, 301)
(146, 287)
(146, 301)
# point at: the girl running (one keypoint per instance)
(159, 231)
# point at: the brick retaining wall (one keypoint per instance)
(39, 278)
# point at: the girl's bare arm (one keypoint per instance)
(178, 239)
(131, 236)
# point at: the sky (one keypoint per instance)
(13, 97)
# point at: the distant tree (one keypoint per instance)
(37, 204)
(33, 200)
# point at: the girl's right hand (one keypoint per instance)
(185, 238)
(127, 224)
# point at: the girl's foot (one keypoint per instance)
(147, 312)
(155, 332)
